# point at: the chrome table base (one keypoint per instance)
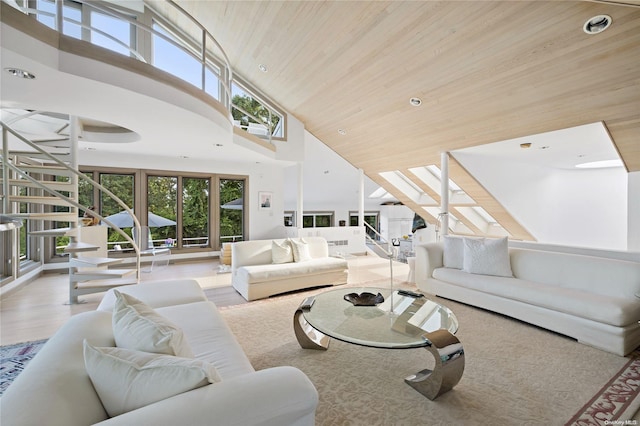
(449, 357)
(444, 346)
(308, 337)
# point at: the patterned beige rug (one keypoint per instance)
(515, 374)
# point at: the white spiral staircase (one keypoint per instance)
(46, 170)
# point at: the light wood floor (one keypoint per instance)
(37, 310)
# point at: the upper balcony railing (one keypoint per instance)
(179, 45)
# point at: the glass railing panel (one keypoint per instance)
(116, 28)
(176, 47)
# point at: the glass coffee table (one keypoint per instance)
(415, 322)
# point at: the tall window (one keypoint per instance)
(123, 187)
(231, 210)
(162, 208)
(195, 212)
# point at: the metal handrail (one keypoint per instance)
(389, 253)
(55, 193)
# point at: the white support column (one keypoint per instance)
(299, 204)
(444, 193)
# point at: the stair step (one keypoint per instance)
(80, 247)
(84, 262)
(96, 286)
(55, 232)
(47, 170)
(50, 201)
(56, 186)
(62, 156)
(59, 143)
(56, 217)
(101, 274)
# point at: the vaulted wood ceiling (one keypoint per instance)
(486, 71)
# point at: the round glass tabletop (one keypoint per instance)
(379, 326)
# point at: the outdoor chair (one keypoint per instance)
(159, 255)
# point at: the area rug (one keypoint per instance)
(617, 401)
(14, 358)
(515, 373)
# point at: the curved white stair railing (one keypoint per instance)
(78, 272)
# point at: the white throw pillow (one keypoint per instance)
(489, 256)
(281, 253)
(137, 326)
(453, 254)
(125, 379)
(300, 250)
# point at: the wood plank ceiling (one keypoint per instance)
(486, 71)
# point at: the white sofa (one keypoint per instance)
(55, 389)
(591, 299)
(255, 276)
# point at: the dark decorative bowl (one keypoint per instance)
(364, 299)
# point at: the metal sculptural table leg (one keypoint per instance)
(449, 356)
(308, 337)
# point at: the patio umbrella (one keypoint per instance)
(123, 220)
(236, 204)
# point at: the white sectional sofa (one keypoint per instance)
(591, 299)
(55, 388)
(258, 272)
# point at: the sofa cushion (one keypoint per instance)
(487, 256)
(606, 309)
(453, 254)
(126, 379)
(281, 252)
(210, 338)
(270, 272)
(139, 327)
(301, 251)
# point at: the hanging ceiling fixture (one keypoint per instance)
(597, 24)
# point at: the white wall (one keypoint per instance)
(586, 208)
(330, 183)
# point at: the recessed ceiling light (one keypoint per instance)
(263, 68)
(597, 24)
(17, 72)
(342, 132)
(600, 164)
(415, 102)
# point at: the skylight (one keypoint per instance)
(432, 177)
(408, 187)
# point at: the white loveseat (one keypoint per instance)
(591, 299)
(55, 388)
(256, 276)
